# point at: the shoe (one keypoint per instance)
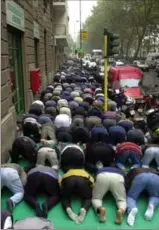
(10, 205)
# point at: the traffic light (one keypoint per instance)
(76, 51)
(113, 43)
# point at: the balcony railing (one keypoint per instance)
(60, 30)
(60, 5)
(59, 0)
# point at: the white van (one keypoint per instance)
(152, 59)
(97, 54)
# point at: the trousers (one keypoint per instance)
(11, 180)
(117, 135)
(132, 156)
(127, 125)
(99, 134)
(48, 132)
(112, 182)
(136, 136)
(152, 153)
(78, 186)
(144, 181)
(41, 182)
(32, 131)
(47, 154)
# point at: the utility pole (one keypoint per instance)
(80, 9)
(105, 70)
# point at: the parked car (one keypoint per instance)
(152, 59)
(118, 63)
(141, 65)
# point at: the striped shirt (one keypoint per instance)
(128, 146)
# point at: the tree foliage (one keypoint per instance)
(133, 20)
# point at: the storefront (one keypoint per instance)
(15, 21)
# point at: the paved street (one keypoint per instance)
(150, 78)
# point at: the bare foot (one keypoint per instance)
(18, 129)
(119, 216)
(43, 141)
(102, 218)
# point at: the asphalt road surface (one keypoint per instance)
(150, 78)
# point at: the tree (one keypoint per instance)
(132, 20)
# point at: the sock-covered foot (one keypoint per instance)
(45, 210)
(131, 217)
(71, 214)
(102, 215)
(119, 216)
(10, 205)
(82, 215)
(149, 212)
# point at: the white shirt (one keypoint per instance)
(38, 102)
(72, 146)
(31, 120)
(62, 120)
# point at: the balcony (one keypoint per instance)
(60, 5)
(61, 34)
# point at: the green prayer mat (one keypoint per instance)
(61, 221)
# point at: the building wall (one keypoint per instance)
(43, 15)
(8, 114)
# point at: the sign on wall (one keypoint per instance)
(36, 30)
(15, 15)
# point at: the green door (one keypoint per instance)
(16, 69)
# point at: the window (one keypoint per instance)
(16, 69)
(129, 83)
(36, 45)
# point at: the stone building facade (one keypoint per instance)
(27, 42)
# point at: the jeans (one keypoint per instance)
(144, 181)
(117, 134)
(99, 134)
(11, 180)
(152, 153)
(136, 136)
(132, 156)
(44, 120)
(127, 125)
